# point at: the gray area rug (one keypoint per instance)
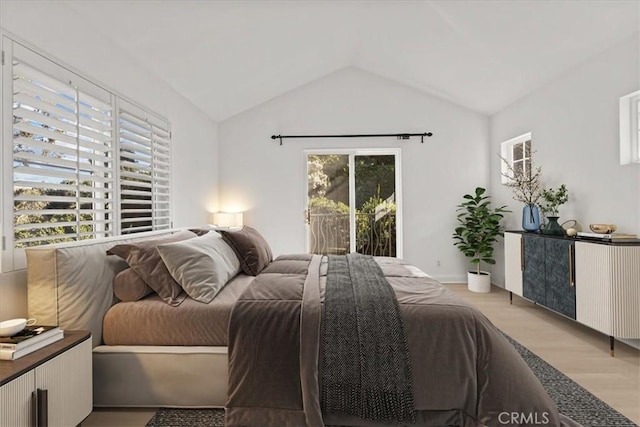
(572, 400)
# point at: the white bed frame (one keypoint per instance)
(70, 285)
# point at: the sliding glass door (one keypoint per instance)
(353, 202)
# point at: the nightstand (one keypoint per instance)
(50, 387)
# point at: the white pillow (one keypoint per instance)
(202, 265)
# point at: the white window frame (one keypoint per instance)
(506, 152)
(352, 153)
(6, 168)
(12, 258)
(630, 128)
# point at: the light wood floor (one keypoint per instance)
(576, 350)
(579, 352)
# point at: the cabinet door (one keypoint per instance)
(15, 401)
(78, 385)
(49, 377)
(67, 378)
(513, 261)
(607, 288)
(68, 381)
(560, 273)
(533, 286)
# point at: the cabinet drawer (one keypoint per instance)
(15, 401)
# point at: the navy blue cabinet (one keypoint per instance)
(548, 273)
(533, 274)
(559, 275)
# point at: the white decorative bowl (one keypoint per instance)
(602, 228)
(11, 327)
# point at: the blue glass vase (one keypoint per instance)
(530, 218)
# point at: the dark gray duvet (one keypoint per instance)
(465, 373)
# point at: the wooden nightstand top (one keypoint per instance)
(10, 369)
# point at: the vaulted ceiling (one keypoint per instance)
(229, 56)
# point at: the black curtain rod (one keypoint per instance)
(362, 135)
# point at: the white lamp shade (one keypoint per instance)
(226, 219)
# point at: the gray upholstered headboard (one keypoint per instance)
(71, 284)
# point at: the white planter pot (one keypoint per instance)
(479, 282)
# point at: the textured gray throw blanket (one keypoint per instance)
(366, 370)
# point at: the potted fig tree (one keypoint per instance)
(479, 225)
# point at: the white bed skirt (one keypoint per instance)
(160, 376)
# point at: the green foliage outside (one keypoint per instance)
(328, 190)
(377, 237)
(375, 177)
(328, 176)
(329, 222)
(56, 221)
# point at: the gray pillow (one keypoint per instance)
(145, 260)
(252, 249)
(202, 265)
(128, 286)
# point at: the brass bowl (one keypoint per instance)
(602, 228)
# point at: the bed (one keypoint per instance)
(270, 369)
(71, 285)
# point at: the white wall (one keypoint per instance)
(268, 180)
(574, 125)
(61, 32)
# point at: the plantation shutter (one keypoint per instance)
(144, 171)
(63, 154)
(72, 168)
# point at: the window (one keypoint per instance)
(144, 171)
(517, 152)
(630, 128)
(62, 160)
(354, 202)
(83, 163)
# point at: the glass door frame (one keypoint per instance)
(352, 153)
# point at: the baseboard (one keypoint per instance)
(451, 279)
(460, 279)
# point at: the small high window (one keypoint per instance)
(630, 128)
(517, 152)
